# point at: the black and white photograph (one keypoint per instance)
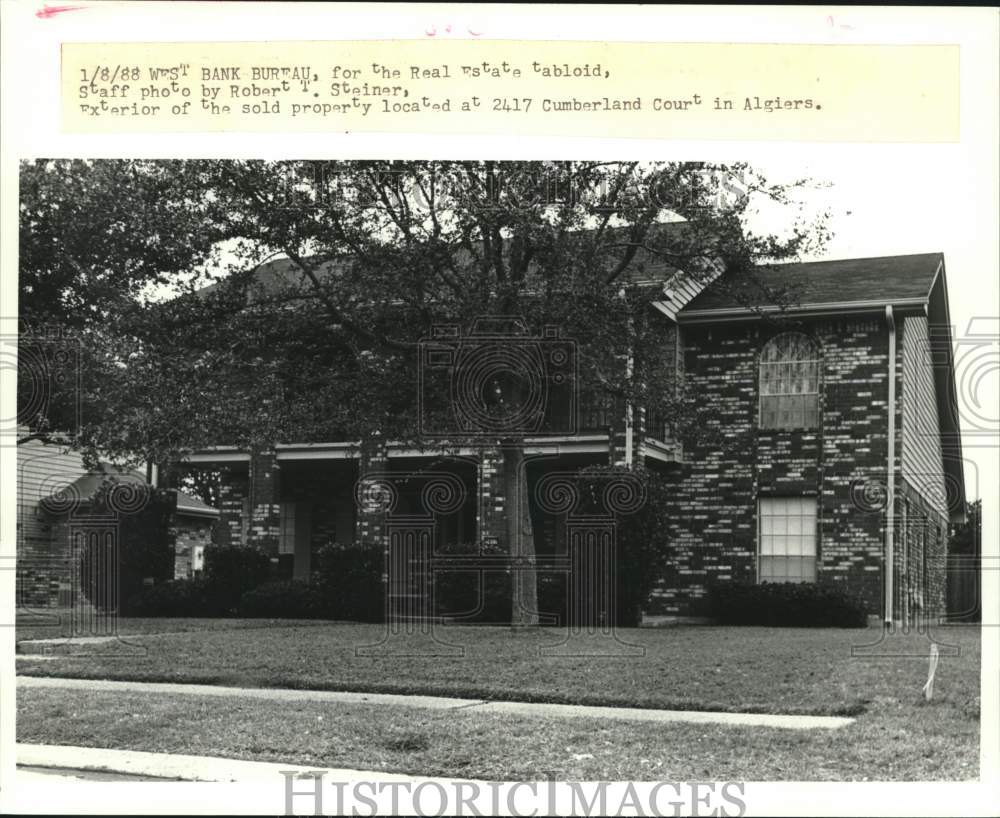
(549, 442)
(468, 476)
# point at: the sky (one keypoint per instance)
(902, 202)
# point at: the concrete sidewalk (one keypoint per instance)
(35, 761)
(531, 709)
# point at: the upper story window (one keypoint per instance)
(789, 382)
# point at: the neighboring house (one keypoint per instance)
(848, 404)
(57, 512)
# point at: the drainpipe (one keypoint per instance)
(628, 415)
(629, 367)
(890, 488)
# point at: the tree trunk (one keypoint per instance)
(520, 537)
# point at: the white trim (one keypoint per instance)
(209, 456)
(286, 452)
(197, 512)
(349, 450)
(584, 444)
(400, 450)
(819, 308)
(658, 450)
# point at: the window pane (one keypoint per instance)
(787, 544)
(789, 367)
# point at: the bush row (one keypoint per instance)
(787, 604)
(347, 584)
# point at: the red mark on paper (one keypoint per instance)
(432, 31)
(47, 11)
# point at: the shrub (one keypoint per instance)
(472, 595)
(232, 570)
(349, 581)
(110, 578)
(552, 598)
(642, 539)
(787, 604)
(179, 597)
(291, 599)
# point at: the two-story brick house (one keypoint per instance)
(845, 450)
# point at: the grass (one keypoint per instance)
(897, 739)
(897, 735)
(808, 671)
(53, 623)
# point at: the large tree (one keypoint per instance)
(334, 275)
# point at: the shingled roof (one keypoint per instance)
(88, 485)
(278, 273)
(882, 280)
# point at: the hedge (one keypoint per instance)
(287, 599)
(180, 598)
(787, 604)
(349, 580)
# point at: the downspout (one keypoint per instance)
(629, 368)
(629, 444)
(890, 488)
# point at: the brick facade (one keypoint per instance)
(189, 534)
(713, 533)
(842, 463)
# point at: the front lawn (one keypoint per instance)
(54, 624)
(704, 668)
(895, 740)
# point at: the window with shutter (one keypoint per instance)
(789, 382)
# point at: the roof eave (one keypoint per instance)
(830, 309)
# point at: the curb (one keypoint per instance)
(177, 767)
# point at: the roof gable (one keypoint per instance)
(838, 282)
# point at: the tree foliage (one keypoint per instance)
(326, 278)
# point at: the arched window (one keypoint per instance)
(789, 382)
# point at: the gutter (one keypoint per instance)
(890, 480)
(831, 308)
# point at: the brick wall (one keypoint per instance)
(713, 532)
(233, 494)
(189, 533)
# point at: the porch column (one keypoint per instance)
(371, 507)
(490, 500)
(622, 435)
(233, 489)
(264, 497)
